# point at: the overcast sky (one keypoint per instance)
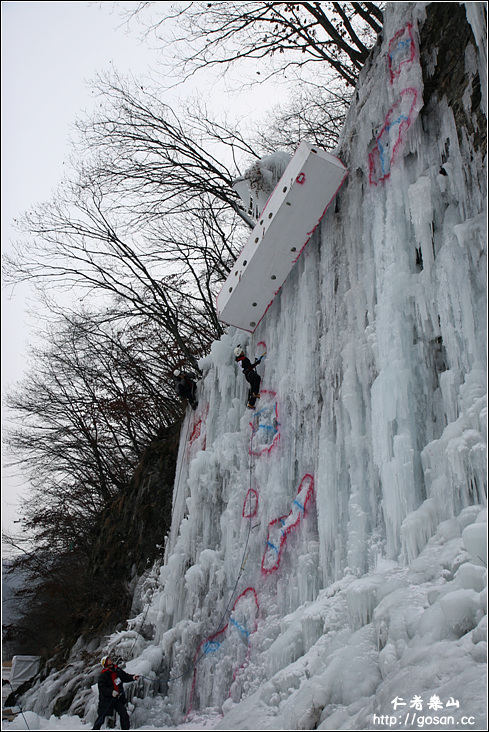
(50, 52)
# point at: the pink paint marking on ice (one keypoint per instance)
(198, 431)
(402, 50)
(280, 528)
(397, 122)
(250, 505)
(210, 644)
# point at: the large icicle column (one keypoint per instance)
(403, 262)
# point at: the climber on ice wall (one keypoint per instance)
(186, 387)
(251, 376)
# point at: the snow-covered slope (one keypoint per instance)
(326, 563)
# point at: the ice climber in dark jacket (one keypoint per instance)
(186, 387)
(250, 374)
(111, 695)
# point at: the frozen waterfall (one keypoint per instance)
(325, 566)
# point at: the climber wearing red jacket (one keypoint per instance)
(111, 695)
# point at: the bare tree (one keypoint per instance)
(202, 248)
(298, 33)
(84, 414)
(153, 161)
(314, 113)
(53, 594)
(75, 246)
(150, 217)
(98, 396)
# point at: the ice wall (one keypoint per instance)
(370, 429)
(326, 552)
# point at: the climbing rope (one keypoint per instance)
(244, 559)
(140, 628)
(177, 482)
(17, 704)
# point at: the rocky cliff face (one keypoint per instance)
(130, 535)
(447, 36)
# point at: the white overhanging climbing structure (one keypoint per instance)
(292, 213)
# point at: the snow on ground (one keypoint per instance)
(32, 721)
